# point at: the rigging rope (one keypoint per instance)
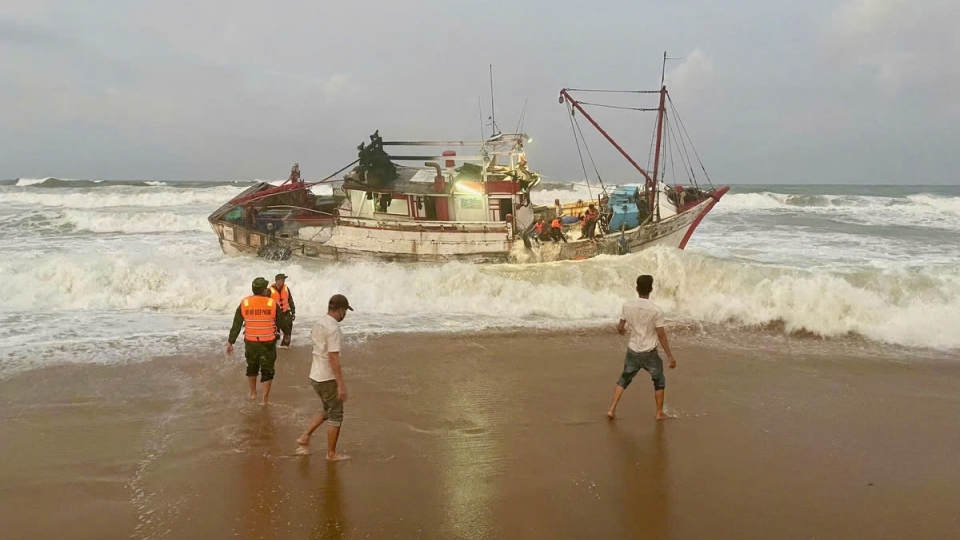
(592, 162)
(641, 109)
(352, 163)
(582, 164)
(680, 120)
(684, 158)
(614, 91)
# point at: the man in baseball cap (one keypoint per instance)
(326, 376)
(257, 314)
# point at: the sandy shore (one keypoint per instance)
(489, 436)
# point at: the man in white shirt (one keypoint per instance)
(326, 376)
(643, 321)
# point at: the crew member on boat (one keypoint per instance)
(538, 230)
(556, 230)
(280, 294)
(590, 221)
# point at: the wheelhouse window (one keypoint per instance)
(385, 203)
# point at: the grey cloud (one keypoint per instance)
(217, 89)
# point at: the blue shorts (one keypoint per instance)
(650, 361)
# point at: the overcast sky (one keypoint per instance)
(864, 91)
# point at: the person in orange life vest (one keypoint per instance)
(257, 315)
(538, 230)
(556, 230)
(590, 221)
(288, 311)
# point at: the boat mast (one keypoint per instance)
(661, 112)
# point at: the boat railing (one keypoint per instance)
(427, 226)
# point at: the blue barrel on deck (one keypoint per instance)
(623, 203)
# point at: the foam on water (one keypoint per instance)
(96, 282)
(131, 222)
(122, 196)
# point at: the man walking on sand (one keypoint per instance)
(326, 376)
(643, 321)
(257, 315)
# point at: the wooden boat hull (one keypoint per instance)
(369, 240)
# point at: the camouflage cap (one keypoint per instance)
(260, 283)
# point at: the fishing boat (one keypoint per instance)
(635, 216)
(453, 207)
(428, 203)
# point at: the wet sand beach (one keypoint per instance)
(491, 436)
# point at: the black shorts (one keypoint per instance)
(261, 358)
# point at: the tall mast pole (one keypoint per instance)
(656, 157)
(661, 112)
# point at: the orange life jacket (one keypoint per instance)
(556, 223)
(539, 227)
(281, 297)
(259, 319)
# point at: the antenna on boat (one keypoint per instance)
(523, 112)
(480, 108)
(493, 109)
(663, 70)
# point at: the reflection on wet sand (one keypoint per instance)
(327, 502)
(259, 500)
(643, 469)
(470, 457)
(496, 438)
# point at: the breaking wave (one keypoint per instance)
(123, 196)
(133, 222)
(765, 200)
(898, 305)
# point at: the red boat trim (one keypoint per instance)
(716, 198)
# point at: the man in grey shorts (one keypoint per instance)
(643, 321)
(326, 376)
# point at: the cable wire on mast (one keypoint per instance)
(577, 140)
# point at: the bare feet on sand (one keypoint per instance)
(253, 396)
(337, 457)
(611, 415)
(664, 416)
(303, 440)
(263, 403)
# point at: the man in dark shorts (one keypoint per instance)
(643, 321)
(326, 376)
(257, 315)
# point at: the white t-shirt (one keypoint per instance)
(326, 339)
(643, 317)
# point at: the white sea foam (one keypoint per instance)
(816, 263)
(123, 196)
(133, 221)
(898, 305)
(765, 200)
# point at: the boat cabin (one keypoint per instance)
(490, 185)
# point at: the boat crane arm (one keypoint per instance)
(564, 95)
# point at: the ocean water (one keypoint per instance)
(108, 272)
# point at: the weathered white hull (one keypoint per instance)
(355, 239)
